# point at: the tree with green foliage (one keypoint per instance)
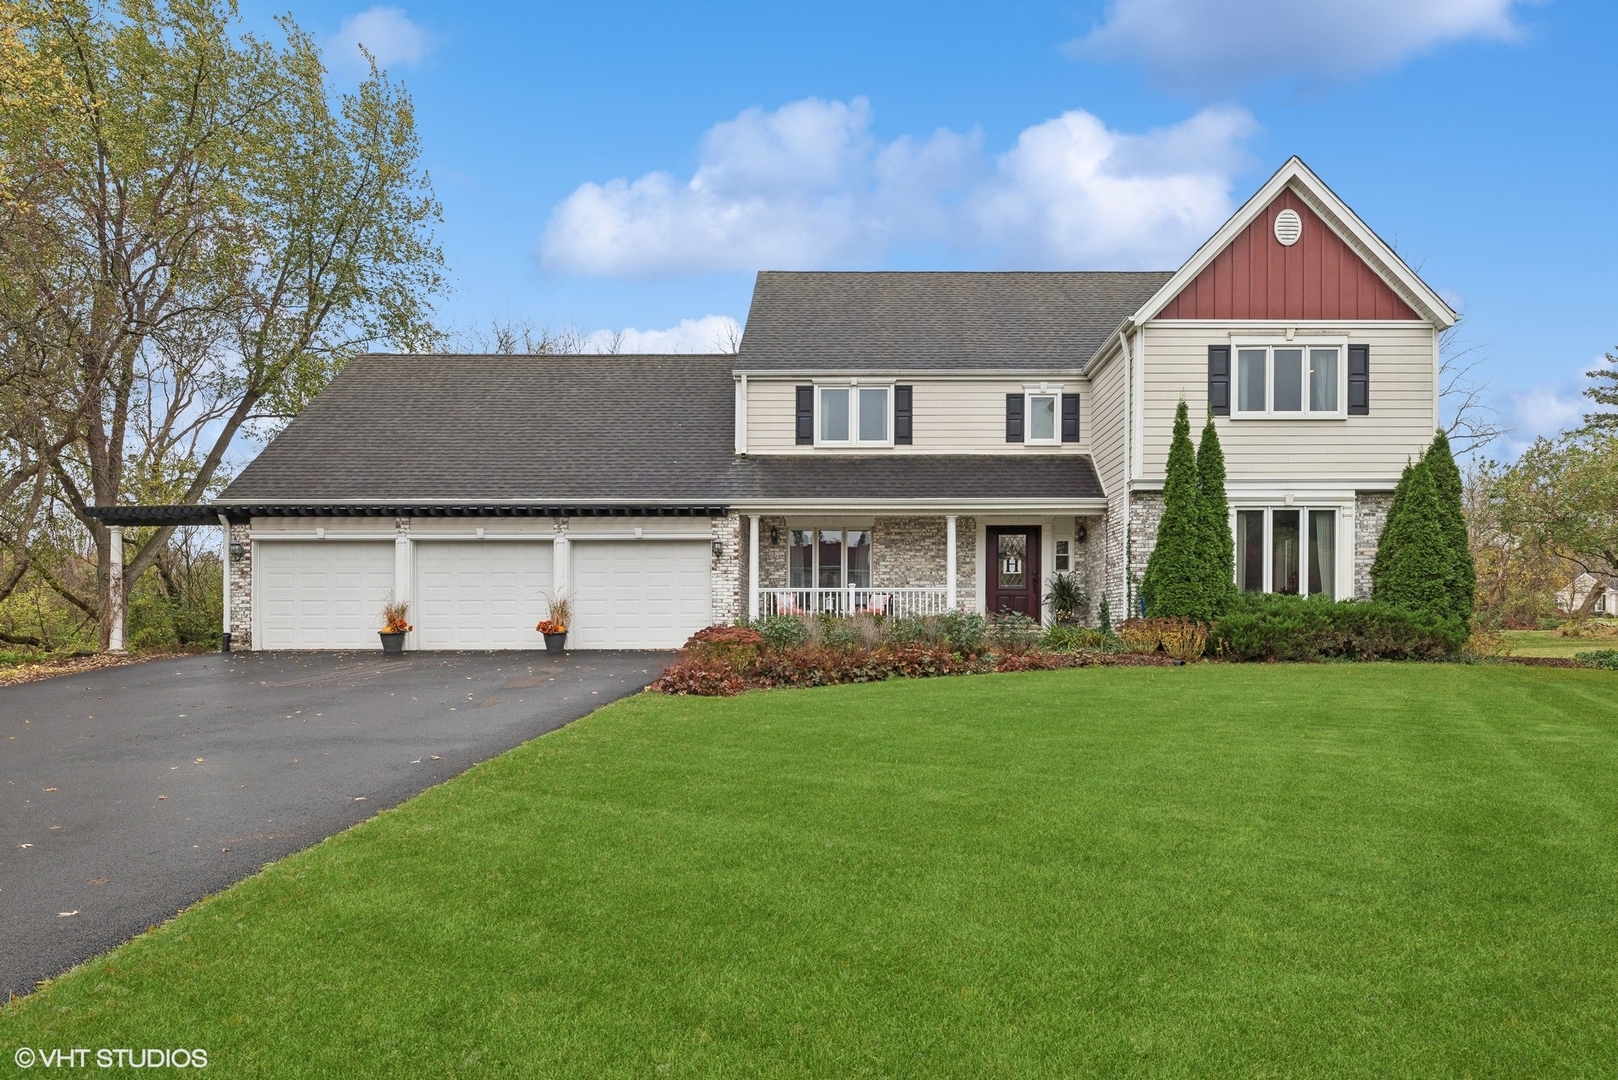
(1218, 548)
(1603, 390)
(1561, 497)
(1461, 581)
(1413, 565)
(198, 233)
(1175, 583)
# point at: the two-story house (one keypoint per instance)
(895, 442)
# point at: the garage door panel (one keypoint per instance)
(640, 594)
(481, 594)
(322, 594)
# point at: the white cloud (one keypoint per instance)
(386, 32)
(711, 333)
(1197, 45)
(807, 185)
(1546, 409)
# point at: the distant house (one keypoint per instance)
(907, 443)
(1572, 598)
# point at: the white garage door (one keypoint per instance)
(639, 594)
(320, 594)
(481, 594)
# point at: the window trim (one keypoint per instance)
(1270, 344)
(1304, 508)
(1028, 395)
(854, 386)
(814, 554)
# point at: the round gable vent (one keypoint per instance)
(1288, 227)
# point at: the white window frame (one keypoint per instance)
(814, 557)
(1270, 344)
(1028, 396)
(1304, 510)
(854, 386)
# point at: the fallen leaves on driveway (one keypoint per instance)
(74, 665)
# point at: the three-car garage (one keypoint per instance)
(477, 587)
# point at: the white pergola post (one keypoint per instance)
(115, 588)
(949, 562)
(401, 573)
(560, 579)
(752, 567)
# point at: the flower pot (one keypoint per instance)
(556, 644)
(392, 644)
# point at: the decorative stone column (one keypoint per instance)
(726, 568)
(241, 587)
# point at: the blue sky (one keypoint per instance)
(628, 166)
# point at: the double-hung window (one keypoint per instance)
(1290, 380)
(854, 415)
(1287, 549)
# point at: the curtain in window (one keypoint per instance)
(1250, 550)
(831, 559)
(1322, 553)
(1285, 551)
(859, 558)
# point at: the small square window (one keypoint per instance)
(1063, 557)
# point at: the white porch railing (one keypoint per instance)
(898, 602)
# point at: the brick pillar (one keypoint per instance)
(727, 602)
(241, 588)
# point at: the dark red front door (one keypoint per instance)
(1014, 570)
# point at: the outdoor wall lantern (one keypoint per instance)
(1083, 534)
(718, 547)
(775, 536)
(237, 551)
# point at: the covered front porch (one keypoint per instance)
(899, 563)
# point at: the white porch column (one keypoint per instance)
(752, 566)
(115, 588)
(949, 562)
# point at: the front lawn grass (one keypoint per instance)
(1546, 643)
(1275, 871)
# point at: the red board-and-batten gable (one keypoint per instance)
(1258, 277)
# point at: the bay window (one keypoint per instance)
(1290, 380)
(854, 415)
(1287, 549)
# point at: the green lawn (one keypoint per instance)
(1269, 871)
(1546, 643)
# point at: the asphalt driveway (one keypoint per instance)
(128, 793)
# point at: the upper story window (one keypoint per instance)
(854, 416)
(1290, 380)
(1042, 412)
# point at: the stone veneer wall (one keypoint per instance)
(1145, 513)
(905, 551)
(241, 588)
(1090, 560)
(1370, 515)
(1114, 552)
(729, 570)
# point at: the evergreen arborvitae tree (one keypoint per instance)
(1461, 581)
(1414, 565)
(1395, 511)
(1218, 547)
(1175, 583)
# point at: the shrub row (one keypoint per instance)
(1268, 627)
(721, 669)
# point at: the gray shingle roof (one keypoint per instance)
(947, 320)
(898, 477)
(586, 430)
(610, 428)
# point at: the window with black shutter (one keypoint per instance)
(1219, 379)
(806, 416)
(1070, 418)
(1014, 418)
(1359, 380)
(901, 415)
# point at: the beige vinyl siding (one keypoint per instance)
(951, 416)
(1106, 417)
(1399, 427)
